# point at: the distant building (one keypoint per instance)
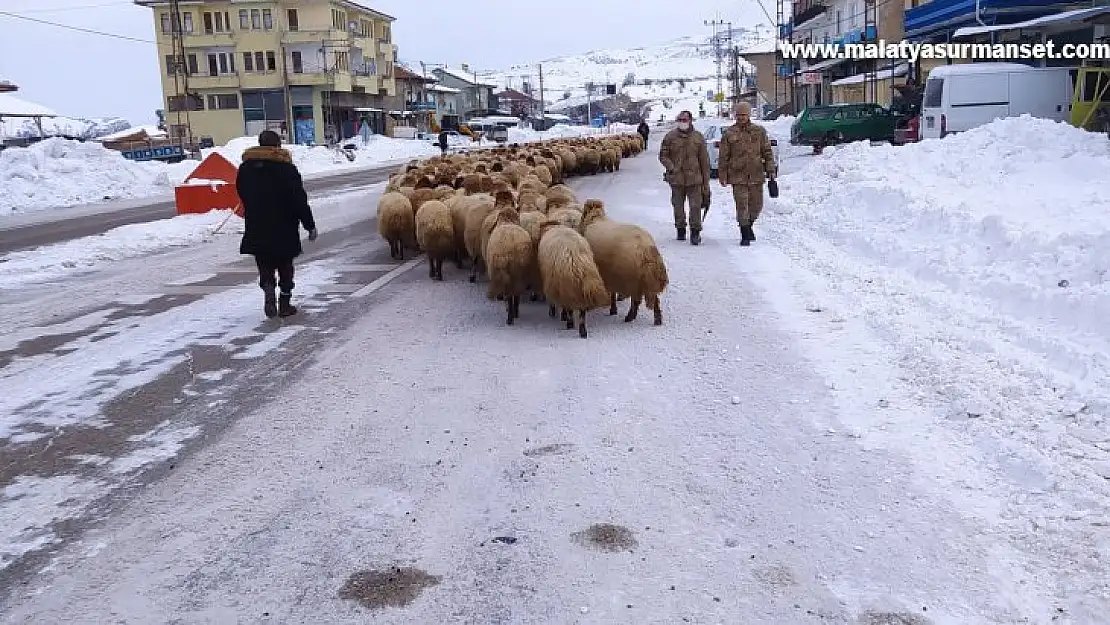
(312, 70)
(7, 86)
(475, 97)
(517, 103)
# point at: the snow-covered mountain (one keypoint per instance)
(670, 76)
(72, 127)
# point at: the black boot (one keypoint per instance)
(681, 234)
(270, 305)
(745, 235)
(751, 231)
(695, 237)
(285, 309)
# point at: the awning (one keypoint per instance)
(11, 106)
(1056, 19)
(822, 66)
(885, 74)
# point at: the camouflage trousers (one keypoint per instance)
(680, 196)
(749, 202)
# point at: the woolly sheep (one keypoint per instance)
(570, 277)
(628, 259)
(435, 234)
(510, 258)
(396, 223)
(472, 233)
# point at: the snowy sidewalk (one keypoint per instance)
(489, 459)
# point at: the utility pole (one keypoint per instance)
(181, 72)
(543, 103)
(717, 54)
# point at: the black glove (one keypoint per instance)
(773, 187)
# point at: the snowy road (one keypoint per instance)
(49, 227)
(704, 471)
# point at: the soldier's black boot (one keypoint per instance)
(286, 309)
(695, 237)
(745, 235)
(751, 232)
(681, 234)
(270, 303)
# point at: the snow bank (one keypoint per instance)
(54, 261)
(317, 159)
(62, 172)
(564, 131)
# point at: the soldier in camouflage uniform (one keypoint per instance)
(746, 161)
(685, 157)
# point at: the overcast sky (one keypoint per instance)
(91, 75)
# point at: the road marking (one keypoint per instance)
(387, 278)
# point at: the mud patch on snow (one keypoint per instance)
(871, 617)
(606, 537)
(393, 588)
(775, 576)
(558, 449)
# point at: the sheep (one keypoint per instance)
(435, 234)
(510, 258)
(531, 222)
(531, 201)
(569, 217)
(472, 233)
(628, 259)
(396, 222)
(559, 196)
(570, 277)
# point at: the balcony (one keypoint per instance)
(209, 40)
(261, 80)
(943, 15)
(367, 82)
(333, 81)
(315, 36)
(221, 81)
(368, 45)
(805, 10)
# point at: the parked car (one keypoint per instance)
(832, 124)
(712, 132)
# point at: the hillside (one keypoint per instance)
(72, 127)
(669, 77)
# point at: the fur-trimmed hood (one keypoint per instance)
(267, 153)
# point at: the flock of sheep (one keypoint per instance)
(507, 210)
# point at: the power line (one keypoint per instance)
(76, 28)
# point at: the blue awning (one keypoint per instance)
(941, 14)
(1077, 16)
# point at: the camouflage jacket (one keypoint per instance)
(746, 156)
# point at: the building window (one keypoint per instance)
(193, 66)
(256, 19)
(223, 22)
(294, 20)
(171, 65)
(208, 27)
(244, 19)
(188, 17)
(338, 19)
(248, 62)
(223, 102)
(221, 63)
(298, 62)
(259, 62)
(271, 61)
(342, 62)
(179, 131)
(267, 19)
(166, 22)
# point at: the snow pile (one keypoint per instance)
(974, 269)
(62, 172)
(50, 262)
(564, 131)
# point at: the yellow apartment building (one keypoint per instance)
(312, 70)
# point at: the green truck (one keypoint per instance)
(831, 124)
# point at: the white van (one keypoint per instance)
(963, 96)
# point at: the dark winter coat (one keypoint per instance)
(443, 140)
(275, 204)
(644, 131)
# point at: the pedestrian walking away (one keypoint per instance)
(275, 206)
(746, 161)
(443, 141)
(685, 157)
(644, 131)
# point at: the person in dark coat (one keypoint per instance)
(443, 141)
(644, 131)
(275, 206)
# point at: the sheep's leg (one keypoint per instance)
(569, 316)
(474, 269)
(657, 309)
(582, 323)
(613, 303)
(509, 310)
(631, 316)
(563, 314)
(458, 259)
(516, 306)
(400, 250)
(431, 268)
(439, 270)
(551, 311)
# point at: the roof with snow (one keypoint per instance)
(514, 95)
(880, 75)
(403, 73)
(442, 89)
(11, 106)
(142, 133)
(464, 76)
(761, 47)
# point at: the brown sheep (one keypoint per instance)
(396, 223)
(510, 258)
(628, 258)
(435, 234)
(570, 277)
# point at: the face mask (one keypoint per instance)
(683, 125)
